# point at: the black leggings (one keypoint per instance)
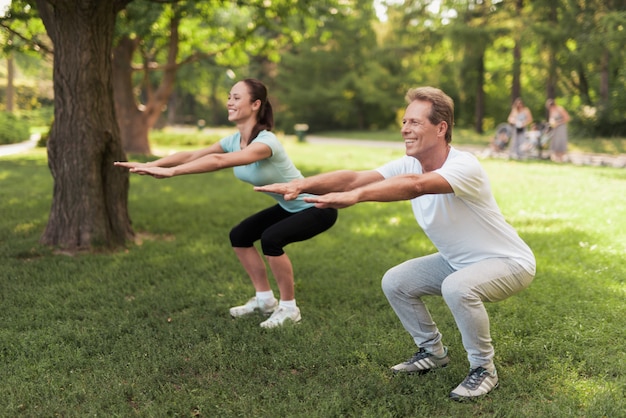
(276, 227)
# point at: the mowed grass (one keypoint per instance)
(146, 331)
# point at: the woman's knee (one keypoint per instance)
(237, 237)
(271, 245)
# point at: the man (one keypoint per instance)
(480, 257)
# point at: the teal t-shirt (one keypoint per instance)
(276, 169)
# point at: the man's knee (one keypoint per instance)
(390, 282)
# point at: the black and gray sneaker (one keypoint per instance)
(422, 362)
(478, 382)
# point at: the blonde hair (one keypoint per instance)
(442, 109)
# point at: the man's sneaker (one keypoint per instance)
(422, 362)
(478, 382)
(265, 307)
(281, 315)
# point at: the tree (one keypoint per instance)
(338, 79)
(156, 42)
(21, 37)
(89, 202)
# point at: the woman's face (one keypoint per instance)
(240, 105)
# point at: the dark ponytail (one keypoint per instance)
(265, 117)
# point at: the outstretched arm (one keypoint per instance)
(174, 159)
(393, 189)
(209, 159)
(335, 181)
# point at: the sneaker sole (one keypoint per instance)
(459, 398)
(256, 311)
(287, 322)
(418, 372)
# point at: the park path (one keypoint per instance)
(11, 149)
(576, 158)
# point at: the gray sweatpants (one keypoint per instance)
(464, 291)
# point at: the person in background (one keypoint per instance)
(258, 158)
(519, 117)
(480, 257)
(558, 119)
(533, 138)
(499, 141)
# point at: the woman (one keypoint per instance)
(258, 158)
(558, 119)
(520, 117)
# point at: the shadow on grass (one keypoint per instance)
(147, 331)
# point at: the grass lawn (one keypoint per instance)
(146, 331)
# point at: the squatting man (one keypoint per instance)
(480, 257)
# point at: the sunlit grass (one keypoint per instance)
(146, 331)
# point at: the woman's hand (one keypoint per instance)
(144, 169)
(128, 164)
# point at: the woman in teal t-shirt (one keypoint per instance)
(258, 158)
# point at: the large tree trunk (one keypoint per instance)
(89, 203)
(136, 120)
(131, 119)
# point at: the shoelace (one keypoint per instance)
(474, 378)
(419, 356)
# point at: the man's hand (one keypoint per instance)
(290, 191)
(334, 200)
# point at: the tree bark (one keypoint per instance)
(89, 203)
(135, 119)
(130, 117)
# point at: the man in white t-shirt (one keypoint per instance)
(480, 256)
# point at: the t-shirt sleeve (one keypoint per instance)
(465, 175)
(228, 143)
(400, 166)
(270, 140)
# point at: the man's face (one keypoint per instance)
(418, 133)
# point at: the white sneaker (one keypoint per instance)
(422, 362)
(478, 382)
(253, 305)
(281, 315)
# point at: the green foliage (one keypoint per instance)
(13, 129)
(198, 138)
(338, 82)
(146, 332)
(334, 65)
(29, 96)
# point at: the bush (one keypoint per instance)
(12, 129)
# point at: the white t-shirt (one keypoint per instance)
(466, 226)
